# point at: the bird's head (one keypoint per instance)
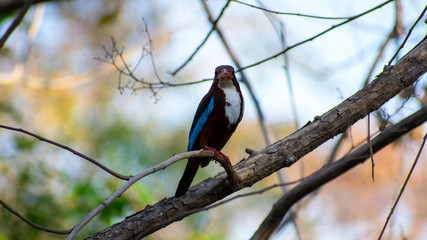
(224, 73)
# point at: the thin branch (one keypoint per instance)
(204, 40)
(115, 174)
(377, 59)
(403, 187)
(15, 22)
(350, 19)
(115, 56)
(34, 225)
(280, 30)
(407, 35)
(232, 176)
(371, 152)
(394, 34)
(336, 147)
(289, 13)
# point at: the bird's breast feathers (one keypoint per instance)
(233, 104)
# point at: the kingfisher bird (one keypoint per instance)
(216, 118)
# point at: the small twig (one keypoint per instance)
(395, 33)
(350, 19)
(403, 187)
(15, 22)
(204, 40)
(116, 57)
(199, 153)
(336, 147)
(368, 139)
(34, 225)
(289, 13)
(280, 30)
(115, 174)
(407, 35)
(377, 59)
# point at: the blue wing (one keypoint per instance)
(200, 119)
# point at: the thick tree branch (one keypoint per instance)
(232, 177)
(337, 168)
(281, 154)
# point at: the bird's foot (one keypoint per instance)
(216, 152)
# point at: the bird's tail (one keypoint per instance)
(188, 176)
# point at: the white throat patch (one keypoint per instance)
(232, 102)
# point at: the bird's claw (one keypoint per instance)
(216, 152)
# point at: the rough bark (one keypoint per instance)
(283, 153)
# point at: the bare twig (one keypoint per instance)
(407, 35)
(15, 22)
(115, 174)
(377, 59)
(317, 35)
(34, 225)
(289, 13)
(232, 176)
(403, 187)
(282, 36)
(115, 56)
(337, 145)
(204, 40)
(368, 139)
(395, 33)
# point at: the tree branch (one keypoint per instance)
(98, 164)
(231, 176)
(204, 40)
(283, 153)
(404, 185)
(34, 225)
(336, 169)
